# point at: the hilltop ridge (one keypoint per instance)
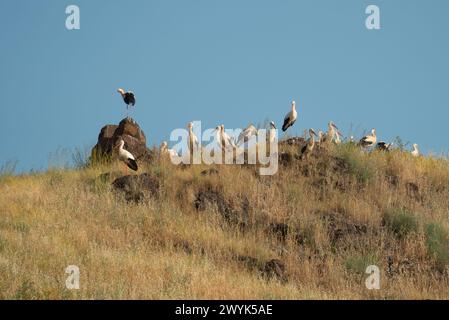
(226, 232)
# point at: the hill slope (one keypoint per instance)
(310, 231)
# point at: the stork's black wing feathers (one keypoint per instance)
(287, 124)
(363, 140)
(129, 98)
(132, 164)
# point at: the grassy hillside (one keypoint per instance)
(212, 236)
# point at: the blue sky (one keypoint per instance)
(218, 61)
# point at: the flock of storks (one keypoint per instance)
(333, 135)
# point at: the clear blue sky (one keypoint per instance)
(219, 61)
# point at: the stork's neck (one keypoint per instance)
(122, 143)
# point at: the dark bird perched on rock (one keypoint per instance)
(128, 97)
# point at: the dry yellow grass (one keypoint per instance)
(344, 210)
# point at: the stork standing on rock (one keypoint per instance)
(128, 98)
(368, 140)
(290, 118)
(126, 156)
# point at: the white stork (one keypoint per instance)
(369, 140)
(225, 140)
(246, 134)
(415, 151)
(127, 157)
(307, 149)
(333, 134)
(273, 130)
(128, 97)
(290, 118)
(193, 140)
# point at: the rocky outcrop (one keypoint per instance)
(130, 132)
(136, 188)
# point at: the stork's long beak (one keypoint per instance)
(335, 127)
(274, 126)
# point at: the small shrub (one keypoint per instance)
(98, 159)
(358, 166)
(81, 158)
(401, 222)
(437, 241)
(26, 291)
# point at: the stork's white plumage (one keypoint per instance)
(332, 134)
(273, 132)
(246, 134)
(415, 151)
(126, 156)
(193, 140)
(226, 140)
(369, 140)
(290, 118)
